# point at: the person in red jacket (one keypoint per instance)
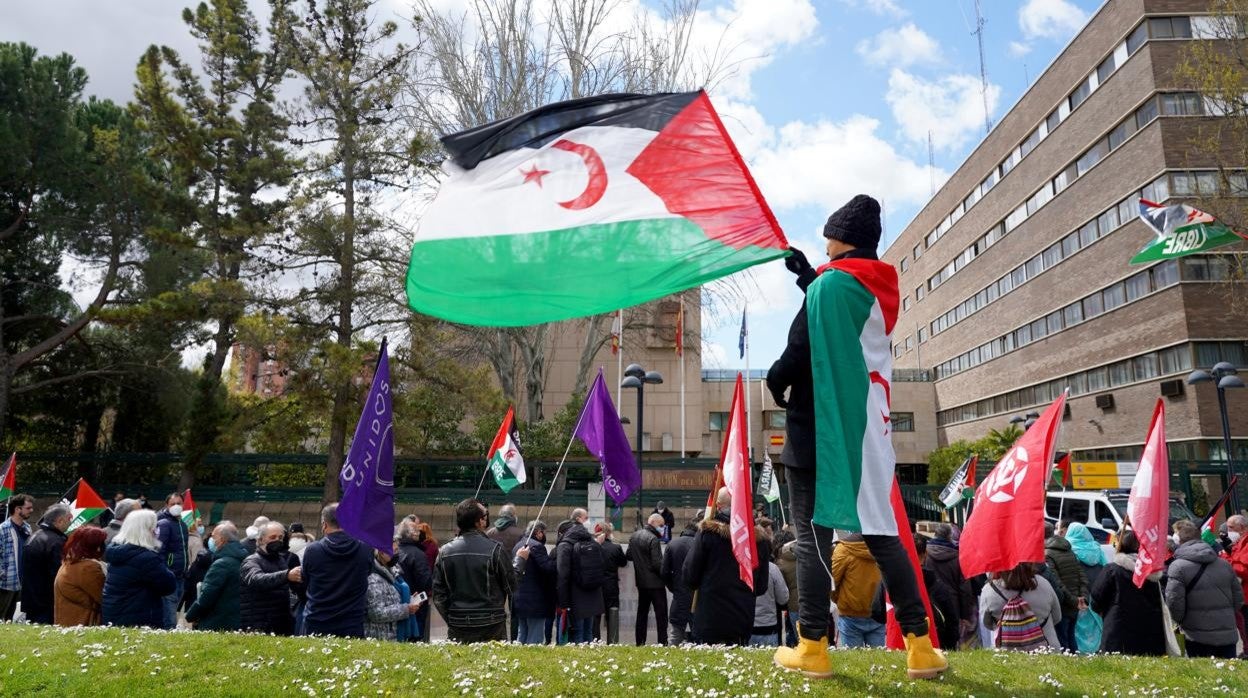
(1237, 531)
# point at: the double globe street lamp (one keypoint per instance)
(637, 377)
(1224, 377)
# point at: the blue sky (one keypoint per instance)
(826, 99)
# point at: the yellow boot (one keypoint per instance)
(809, 657)
(922, 660)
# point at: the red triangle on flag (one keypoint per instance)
(8, 483)
(87, 497)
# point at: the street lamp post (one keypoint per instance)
(636, 377)
(1224, 376)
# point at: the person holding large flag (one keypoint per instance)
(839, 456)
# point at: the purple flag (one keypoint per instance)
(600, 430)
(366, 511)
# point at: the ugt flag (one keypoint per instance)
(1181, 230)
(1006, 525)
(505, 460)
(1148, 507)
(735, 465)
(600, 430)
(366, 511)
(586, 206)
(85, 503)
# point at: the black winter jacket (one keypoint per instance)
(680, 612)
(472, 580)
(645, 551)
(792, 372)
(614, 557)
(137, 579)
(414, 565)
(1133, 620)
(1062, 560)
(172, 534)
(942, 560)
(41, 560)
(264, 600)
(581, 602)
(335, 570)
(724, 611)
(535, 593)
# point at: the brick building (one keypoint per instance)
(1014, 277)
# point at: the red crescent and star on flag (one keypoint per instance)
(595, 186)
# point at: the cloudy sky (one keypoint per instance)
(829, 98)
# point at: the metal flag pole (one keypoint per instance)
(619, 353)
(749, 428)
(529, 536)
(680, 342)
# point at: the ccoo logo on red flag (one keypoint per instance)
(1006, 526)
(1148, 507)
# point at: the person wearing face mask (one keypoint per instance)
(1204, 595)
(14, 533)
(391, 611)
(269, 576)
(1236, 527)
(217, 604)
(172, 534)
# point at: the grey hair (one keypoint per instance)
(507, 510)
(139, 528)
(273, 524)
(329, 516)
(408, 530)
(578, 513)
(655, 520)
(55, 512)
(123, 507)
(1237, 520)
(227, 529)
(943, 531)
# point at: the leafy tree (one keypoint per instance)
(944, 461)
(221, 140)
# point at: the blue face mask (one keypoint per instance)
(212, 545)
(199, 531)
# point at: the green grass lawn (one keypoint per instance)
(38, 660)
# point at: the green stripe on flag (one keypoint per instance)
(502, 473)
(561, 274)
(837, 309)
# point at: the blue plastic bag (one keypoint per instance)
(1088, 631)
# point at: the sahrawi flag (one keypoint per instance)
(1148, 506)
(1006, 525)
(1209, 527)
(190, 512)
(366, 511)
(84, 502)
(851, 309)
(1181, 230)
(505, 460)
(586, 206)
(963, 478)
(8, 481)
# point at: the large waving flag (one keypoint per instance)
(1006, 525)
(735, 466)
(1181, 230)
(85, 503)
(600, 430)
(586, 206)
(366, 511)
(504, 458)
(894, 638)
(1148, 506)
(8, 480)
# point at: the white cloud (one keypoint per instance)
(1018, 49)
(900, 48)
(951, 108)
(741, 38)
(1050, 19)
(884, 8)
(825, 163)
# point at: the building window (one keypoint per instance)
(773, 419)
(905, 304)
(918, 250)
(718, 421)
(919, 291)
(902, 421)
(905, 264)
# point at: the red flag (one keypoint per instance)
(1148, 507)
(735, 474)
(894, 639)
(1064, 467)
(1006, 526)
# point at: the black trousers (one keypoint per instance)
(814, 576)
(1200, 649)
(485, 633)
(645, 599)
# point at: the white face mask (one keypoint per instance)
(1175, 537)
(1234, 536)
(175, 510)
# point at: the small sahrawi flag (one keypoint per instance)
(190, 513)
(8, 480)
(84, 502)
(1181, 230)
(955, 491)
(586, 206)
(1209, 527)
(506, 461)
(768, 486)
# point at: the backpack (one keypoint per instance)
(589, 569)
(1019, 629)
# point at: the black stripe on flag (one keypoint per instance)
(536, 128)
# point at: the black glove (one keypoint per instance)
(777, 394)
(797, 262)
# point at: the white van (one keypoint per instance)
(1102, 511)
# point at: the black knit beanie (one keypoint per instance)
(856, 223)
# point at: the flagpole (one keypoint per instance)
(482, 483)
(680, 340)
(749, 428)
(529, 536)
(619, 355)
